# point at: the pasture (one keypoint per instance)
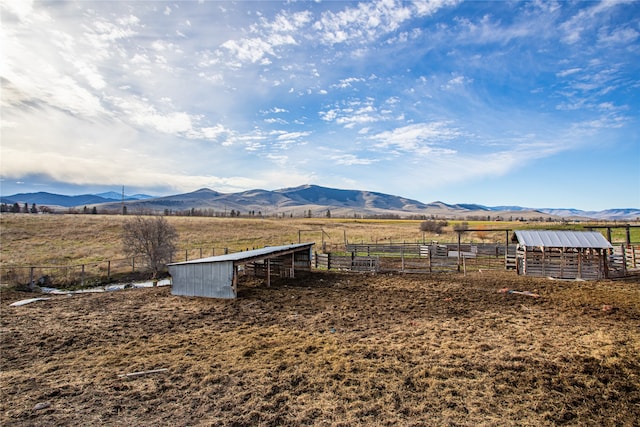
(82, 239)
(328, 348)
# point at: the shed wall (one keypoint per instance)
(585, 264)
(212, 279)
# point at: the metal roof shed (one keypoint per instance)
(217, 276)
(561, 253)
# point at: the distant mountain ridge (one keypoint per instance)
(51, 199)
(298, 201)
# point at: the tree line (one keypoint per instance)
(16, 208)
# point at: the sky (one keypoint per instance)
(533, 103)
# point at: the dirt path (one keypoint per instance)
(329, 349)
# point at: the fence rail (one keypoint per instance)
(66, 275)
(407, 257)
(407, 264)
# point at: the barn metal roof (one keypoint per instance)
(255, 254)
(562, 239)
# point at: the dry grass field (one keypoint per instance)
(329, 349)
(75, 239)
(58, 239)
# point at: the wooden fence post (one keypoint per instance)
(31, 275)
(506, 251)
(133, 264)
(109, 271)
(628, 235)
(459, 234)
(82, 277)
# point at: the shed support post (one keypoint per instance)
(234, 280)
(580, 263)
(268, 272)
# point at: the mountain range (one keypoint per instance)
(58, 200)
(299, 201)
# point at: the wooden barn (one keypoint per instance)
(562, 254)
(217, 276)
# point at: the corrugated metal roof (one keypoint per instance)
(562, 239)
(239, 256)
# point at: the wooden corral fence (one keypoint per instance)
(624, 260)
(331, 261)
(418, 258)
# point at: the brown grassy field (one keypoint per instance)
(56, 239)
(76, 239)
(329, 349)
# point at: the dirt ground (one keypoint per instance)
(329, 349)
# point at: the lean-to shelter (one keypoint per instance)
(562, 254)
(217, 276)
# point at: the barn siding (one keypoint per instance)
(214, 280)
(587, 264)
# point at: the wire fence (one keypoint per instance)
(93, 273)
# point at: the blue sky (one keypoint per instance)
(500, 103)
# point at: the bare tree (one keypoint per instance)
(433, 226)
(154, 238)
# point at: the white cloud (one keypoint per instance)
(348, 82)
(22, 9)
(565, 73)
(618, 36)
(215, 132)
(419, 138)
(583, 21)
(291, 136)
(351, 160)
(370, 20)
